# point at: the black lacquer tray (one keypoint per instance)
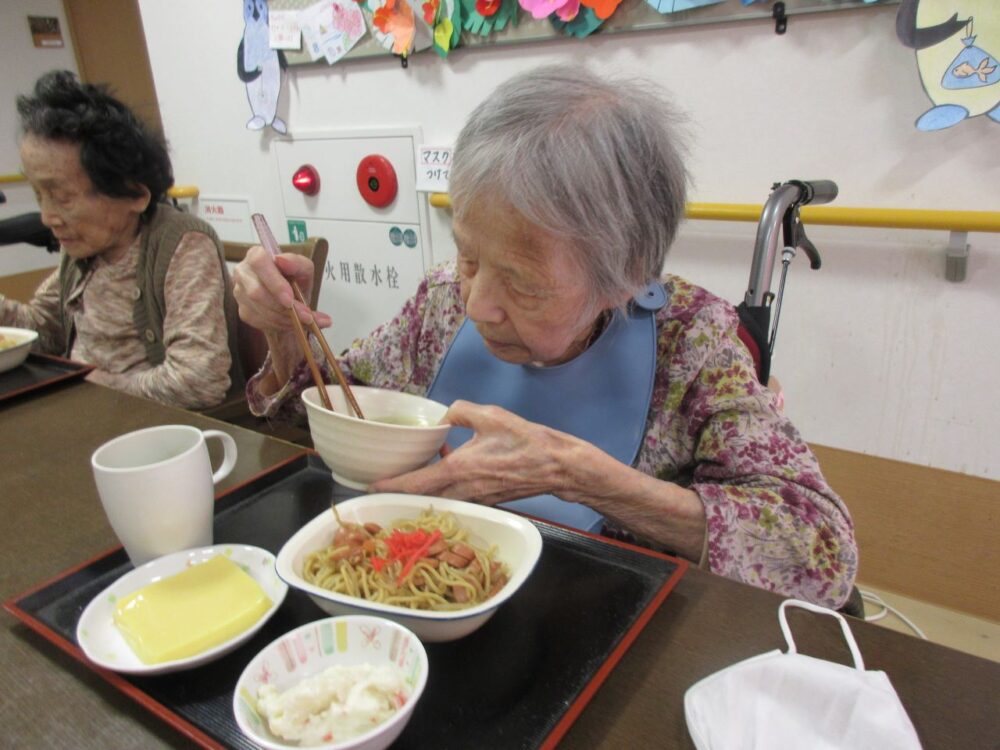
(39, 371)
(517, 682)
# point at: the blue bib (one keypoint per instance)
(601, 396)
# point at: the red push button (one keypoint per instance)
(377, 181)
(306, 179)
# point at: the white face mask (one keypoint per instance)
(789, 700)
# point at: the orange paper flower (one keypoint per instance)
(383, 15)
(602, 8)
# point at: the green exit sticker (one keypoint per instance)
(297, 230)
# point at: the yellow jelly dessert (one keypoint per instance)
(190, 612)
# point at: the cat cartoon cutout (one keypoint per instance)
(260, 68)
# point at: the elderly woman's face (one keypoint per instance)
(85, 222)
(527, 297)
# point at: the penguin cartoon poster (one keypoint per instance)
(957, 43)
(260, 68)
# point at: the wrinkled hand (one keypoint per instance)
(506, 459)
(261, 285)
(263, 292)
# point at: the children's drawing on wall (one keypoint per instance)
(331, 28)
(260, 68)
(957, 43)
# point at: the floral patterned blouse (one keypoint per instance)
(772, 520)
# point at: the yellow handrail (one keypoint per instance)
(177, 191)
(183, 191)
(895, 218)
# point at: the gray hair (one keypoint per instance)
(593, 161)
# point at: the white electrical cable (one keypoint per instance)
(869, 596)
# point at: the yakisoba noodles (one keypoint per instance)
(426, 562)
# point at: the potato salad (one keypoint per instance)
(335, 705)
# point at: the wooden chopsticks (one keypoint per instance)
(271, 245)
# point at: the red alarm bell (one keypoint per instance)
(377, 181)
(306, 179)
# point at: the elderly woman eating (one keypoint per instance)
(582, 384)
(142, 291)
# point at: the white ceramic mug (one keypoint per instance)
(158, 489)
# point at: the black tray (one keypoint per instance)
(519, 681)
(39, 371)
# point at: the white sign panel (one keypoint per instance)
(229, 216)
(433, 167)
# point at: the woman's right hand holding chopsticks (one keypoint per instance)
(263, 291)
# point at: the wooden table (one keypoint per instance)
(52, 520)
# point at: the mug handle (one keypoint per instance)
(229, 448)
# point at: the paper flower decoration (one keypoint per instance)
(445, 19)
(487, 8)
(396, 27)
(569, 10)
(499, 14)
(583, 24)
(545, 8)
(395, 19)
(431, 11)
(602, 8)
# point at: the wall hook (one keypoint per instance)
(780, 19)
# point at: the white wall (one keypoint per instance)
(22, 64)
(877, 352)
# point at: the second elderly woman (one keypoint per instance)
(571, 366)
(142, 291)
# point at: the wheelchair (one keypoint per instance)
(27, 228)
(757, 329)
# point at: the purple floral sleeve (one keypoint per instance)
(772, 520)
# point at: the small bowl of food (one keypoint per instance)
(400, 433)
(439, 567)
(15, 345)
(341, 683)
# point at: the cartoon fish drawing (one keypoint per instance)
(953, 41)
(964, 70)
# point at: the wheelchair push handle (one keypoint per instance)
(816, 192)
(781, 213)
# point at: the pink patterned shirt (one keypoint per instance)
(195, 373)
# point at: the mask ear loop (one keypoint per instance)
(859, 663)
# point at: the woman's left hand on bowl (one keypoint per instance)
(507, 458)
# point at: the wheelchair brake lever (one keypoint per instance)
(794, 234)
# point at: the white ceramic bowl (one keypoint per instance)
(13, 356)
(359, 451)
(518, 544)
(316, 646)
(103, 642)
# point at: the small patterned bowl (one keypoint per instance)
(316, 646)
